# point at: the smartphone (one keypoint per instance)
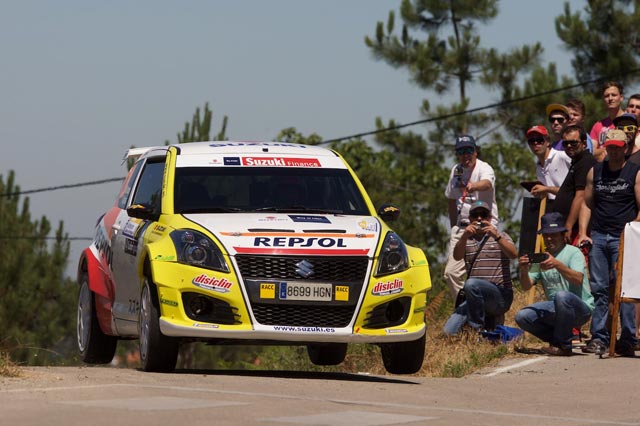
(528, 185)
(537, 257)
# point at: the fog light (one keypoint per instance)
(200, 306)
(394, 311)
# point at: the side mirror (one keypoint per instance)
(389, 213)
(140, 211)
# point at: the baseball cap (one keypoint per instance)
(464, 141)
(552, 222)
(557, 107)
(479, 205)
(615, 137)
(626, 116)
(538, 129)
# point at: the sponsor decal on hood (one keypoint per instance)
(342, 236)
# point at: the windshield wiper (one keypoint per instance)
(297, 209)
(212, 210)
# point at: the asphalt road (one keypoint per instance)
(581, 390)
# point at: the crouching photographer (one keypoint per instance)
(563, 275)
(488, 291)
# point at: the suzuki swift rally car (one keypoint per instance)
(249, 242)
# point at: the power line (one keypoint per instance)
(373, 132)
(22, 237)
(54, 188)
(473, 110)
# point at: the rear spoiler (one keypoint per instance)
(134, 153)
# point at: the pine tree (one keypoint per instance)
(439, 45)
(200, 127)
(38, 309)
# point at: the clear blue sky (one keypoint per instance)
(83, 80)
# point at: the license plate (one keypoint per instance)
(306, 291)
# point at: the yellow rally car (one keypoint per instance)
(241, 242)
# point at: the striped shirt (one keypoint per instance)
(491, 264)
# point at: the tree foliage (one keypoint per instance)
(200, 128)
(37, 313)
(439, 45)
(604, 39)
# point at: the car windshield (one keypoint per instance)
(266, 189)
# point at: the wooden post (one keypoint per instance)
(614, 310)
(539, 246)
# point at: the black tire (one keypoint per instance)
(95, 347)
(403, 357)
(327, 353)
(157, 351)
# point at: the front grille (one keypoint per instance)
(325, 268)
(303, 315)
(348, 271)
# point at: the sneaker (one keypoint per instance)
(555, 351)
(625, 349)
(576, 335)
(595, 347)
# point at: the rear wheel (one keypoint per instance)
(327, 353)
(157, 351)
(403, 357)
(95, 346)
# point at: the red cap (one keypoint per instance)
(538, 129)
(615, 137)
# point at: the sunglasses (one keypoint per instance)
(570, 142)
(628, 128)
(467, 150)
(480, 214)
(535, 141)
(558, 119)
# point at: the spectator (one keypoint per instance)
(488, 289)
(633, 107)
(558, 117)
(612, 95)
(566, 285)
(628, 123)
(571, 193)
(611, 200)
(577, 114)
(552, 165)
(471, 180)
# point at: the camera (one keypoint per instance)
(585, 247)
(537, 257)
(479, 225)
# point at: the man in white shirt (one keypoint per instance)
(552, 165)
(471, 180)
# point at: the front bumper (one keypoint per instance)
(234, 313)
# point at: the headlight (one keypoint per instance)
(393, 256)
(194, 248)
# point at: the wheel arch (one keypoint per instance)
(99, 284)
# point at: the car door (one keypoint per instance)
(127, 245)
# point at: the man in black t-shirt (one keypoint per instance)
(571, 193)
(629, 125)
(611, 200)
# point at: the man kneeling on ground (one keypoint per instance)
(488, 290)
(566, 285)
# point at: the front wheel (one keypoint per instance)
(95, 346)
(403, 357)
(157, 351)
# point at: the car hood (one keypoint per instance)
(293, 234)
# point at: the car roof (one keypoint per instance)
(220, 152)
